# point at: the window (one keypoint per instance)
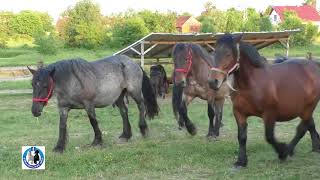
(275, 17)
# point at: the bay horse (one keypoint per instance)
(79, 84)
(279, 92)
(191, 72)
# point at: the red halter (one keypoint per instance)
(189, 61)
(46, 99)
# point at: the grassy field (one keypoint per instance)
(13, 85)
(29, 56)
(167, 154)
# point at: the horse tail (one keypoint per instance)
(150, 99)
(176, 103)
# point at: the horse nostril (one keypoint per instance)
(214, 84)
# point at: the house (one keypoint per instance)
(187, 24)
(306, 13)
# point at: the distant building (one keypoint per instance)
(306, 13)
(187, 24)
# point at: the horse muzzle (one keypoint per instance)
(214, 84)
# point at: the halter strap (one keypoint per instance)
(189, 61)
(46, 99)
(235, 67)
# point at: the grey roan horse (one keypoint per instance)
(79, 84)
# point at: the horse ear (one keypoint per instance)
(238, 38)
(31, 70)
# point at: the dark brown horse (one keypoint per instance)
(279, 92)
(191, 81)
(159, 81)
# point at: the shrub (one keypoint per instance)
(129, 31)
(47, 44)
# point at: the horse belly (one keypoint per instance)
(107, 93)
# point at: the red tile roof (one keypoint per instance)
(305, 12)
(181, 20)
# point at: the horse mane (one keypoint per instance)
(197, 50)
(253, 55)
(77, 67)
(245, 49)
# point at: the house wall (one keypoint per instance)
(191, 25)
(274, 18)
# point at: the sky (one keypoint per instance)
(195, 7)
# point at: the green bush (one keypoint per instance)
(47, 44)
(129, 31)
(84, 26)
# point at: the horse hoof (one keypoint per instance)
(145, 133)
(122, 140)
(58, 150)
(316, 150)
(239, 165)
(283, 151)
(96, 143)
(192, 129)
(211, 137)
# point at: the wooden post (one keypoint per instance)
(158, 60)
(288, 47)
(142, 54)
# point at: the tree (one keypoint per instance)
(213, 19)
(207, 25)
(310, 2)
(128, 32)
(84, 26)
(158, 22)
(265, 23)
(5, 18)
(30, 23)
(234, 20)
(308, 32)
(252, 19)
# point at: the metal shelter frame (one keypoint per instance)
(159, 45)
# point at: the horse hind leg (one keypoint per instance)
(300, 132)
(94, 123)
(143, 126)
(126, 133)
(280, 148)
(314, 136)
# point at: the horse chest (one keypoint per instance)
(245, 103)
(195, 89)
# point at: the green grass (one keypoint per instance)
(29, 56)
(167, 154)
(13, 85)
(293, 52)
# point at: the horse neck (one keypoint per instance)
(244, 76)
(199, 70)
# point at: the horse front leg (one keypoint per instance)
(63, 111)
(242, 139)
(183, 113)
(211, 114)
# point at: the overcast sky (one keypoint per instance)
(195, 7)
